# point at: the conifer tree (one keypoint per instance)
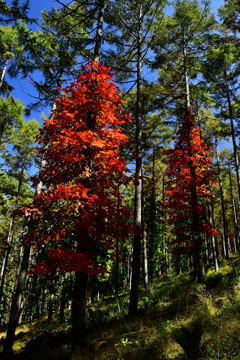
(189, 188)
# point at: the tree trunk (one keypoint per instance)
(224, 222)
(5, 263)
(16, 305)
(133, 305)
(117, 267)
(79, 312)
(196, 229)
(144, 246)
(63, 299)
(3, 72)
(186, 81)
(43, 300)
(116, 285)
(199, 271)
(50, 300)
(145, 259)
(17, 300)
(236, 161)
(98, 41)
(213, 238)
(165, 266)
(236, 226)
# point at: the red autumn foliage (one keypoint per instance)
(189, 187)
(79, 212)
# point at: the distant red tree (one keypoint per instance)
(189, 188)
(79, 212)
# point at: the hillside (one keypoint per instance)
(203, 319)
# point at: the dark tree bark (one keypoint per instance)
(234, 211)
(79, 297)
(50, 300)
(133, 304)
(233, 135)
(17, 301)
(199, 271)
(99, 32)
(16, 305)
(5, 262)
(63, 299)
(79, 312)
(224, 221)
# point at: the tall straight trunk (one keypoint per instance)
(81, 278)
(9, 243)
(207, 249)
(145, 259)
(116, 285)
(144, 246)
(99, 31)
(3, 72)
(16, 305)
(5, 260)
(50, 301)
(43, 300)
(63, 299)
(39, 292)
(79, 312)
(117, 268)
(236, 161)
(152, 224)
(129, 269)
(213, 239)
(166, 250)
(199, 270)
(224, 221)
(234, 211)
(185, 69)
(17, 301)
(133, 304)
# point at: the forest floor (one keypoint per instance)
(178, 319)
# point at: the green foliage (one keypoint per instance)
(54, 50)
(17, 160)
(229, 13)
(203, 319)
(11, 115)
(174, 307)
(14, 11)
(180, 44)
(8, 35)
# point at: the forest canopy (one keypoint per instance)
(131, 173)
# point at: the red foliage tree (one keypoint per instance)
(189, 188)
(79, 212)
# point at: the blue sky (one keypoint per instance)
(216, 4)
(36, 6)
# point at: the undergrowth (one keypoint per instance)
(178, 319)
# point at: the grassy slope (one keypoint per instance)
(204, 319)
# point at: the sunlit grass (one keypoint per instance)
(172, 305)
